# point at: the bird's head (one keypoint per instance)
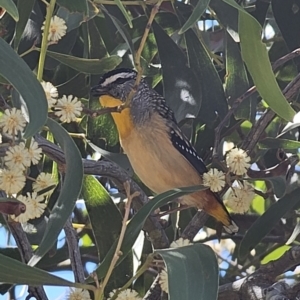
(116, 84)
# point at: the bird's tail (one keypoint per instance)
(217, 209)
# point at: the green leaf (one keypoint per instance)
(70, 190)
(106, 222)
(192, 272)
(74, 5)
(15, 272)
(137, 222)
(255, 55)
(276, 254)
(181, 87)
(264, 224)
(124, 12)
(25, 8)
(15, 70)
(197, 12)
(120, 159)
(236, 83)
(214, 104)
(105, 217)
(278, 143)
(11, 8)
(278, 183)
(227, 16)
(88, 66)
(75, 19)
(122, 30)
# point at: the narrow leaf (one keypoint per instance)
(122, 30)
(192, 272)
(120, 159)
(106, 221)
(11, 8)
(15, 272)
(255, 55)
(214, 105)
(137, 222)
(15, 70)
(269, 143)
(197, 12)
(88, 66)
(264, 224)
(124, 12)
(69, 192)
(181, 87)
(25, 8)
(237, 81)
(74, 5)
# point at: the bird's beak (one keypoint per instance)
(98, 91)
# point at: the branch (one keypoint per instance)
(26, 253)
(256, 131)
(280, 62)
(74, 252)
(119, 176)
(255, 286)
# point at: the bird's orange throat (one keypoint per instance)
(123, 119)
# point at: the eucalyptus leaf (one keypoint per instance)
(181, 87)
(193, 272)
(124, 12)
(70, 190)
(15, 70)
(269, 143)
(265, 223)
(88, 66)
(16, 272)
(25, 8)
(137, 222)
(106, 221)
(122, 30)
(11, 8)
(119, 158)
(74, 5)
(197, 12)
(255, 55)
(236, 83)
(214, 105)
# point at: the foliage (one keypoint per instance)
(229, 83)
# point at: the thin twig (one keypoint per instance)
(278, 63)
(256, 131)
(137, 57)
(118, 252)
(95, 113)
(139, 272)
(119, 176)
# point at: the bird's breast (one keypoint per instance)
(154, 159)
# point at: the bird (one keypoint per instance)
(160, 154)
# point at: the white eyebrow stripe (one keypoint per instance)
(113, 78)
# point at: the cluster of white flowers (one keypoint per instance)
(238, 162)
(78, 294)
(126, 295)
(17, 160)
(67, 108)
(57, 29)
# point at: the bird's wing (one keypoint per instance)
(183, 145)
